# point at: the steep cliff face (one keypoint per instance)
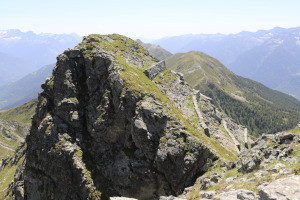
(102, 128)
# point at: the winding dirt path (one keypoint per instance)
(200, 117)
(236, 143)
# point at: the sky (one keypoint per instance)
(148, 19)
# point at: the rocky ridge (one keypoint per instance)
(269, 170)
(102, 128)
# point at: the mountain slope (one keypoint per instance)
(12, 68)
(25, 89)
(268, 56)
(250, 103)
(273, 63)
(155, 50)
(14, 126)
(20, 113)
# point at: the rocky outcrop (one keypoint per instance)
(102, 128)
(271, 167)
(155, 69)
(240, 194)
(284, 188)
(266, 149)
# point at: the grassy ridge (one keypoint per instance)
(257, 107)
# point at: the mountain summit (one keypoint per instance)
(112, 121)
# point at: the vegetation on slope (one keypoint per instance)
(21, 113)
(25, 89)
(251, 104)
(8, 170)
(14, 126)
(155, 50)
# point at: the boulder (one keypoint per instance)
(249, 160)
(207, 194)
(240, 194)
(155, 70)
(285, 138)
(284, 188)
(171, 198)
(246, 195)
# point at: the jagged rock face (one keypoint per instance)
(102, 129)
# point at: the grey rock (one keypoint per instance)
(210, 181)
(251, 179)
(284, 188)
(121, 198)
(207, 194)
(285, 138)
(155, 70)
(260, 173)
(236, 194)
(290, 159)
(262, 185)
(230, 179)
(284, 152)
(230, 195)
(171, 198)
(249, 160)
(297, 138)
(246, 195)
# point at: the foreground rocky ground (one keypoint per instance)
(270, 170)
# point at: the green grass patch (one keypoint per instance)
(6, 176)
(231, 173)
(296, 130)
(21, 113)
(5, 153)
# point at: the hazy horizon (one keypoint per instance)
(147, 39)
(153, 20)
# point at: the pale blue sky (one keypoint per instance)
(150, 19)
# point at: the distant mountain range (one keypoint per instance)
(25, 89)
(25, 52)
(260, 109)
(271, 57)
